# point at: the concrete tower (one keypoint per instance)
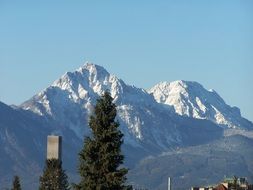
(169, 183)
(54, 147)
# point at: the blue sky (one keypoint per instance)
(142, 42)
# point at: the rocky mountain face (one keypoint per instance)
(150, 124)
(191, 99)
(69, 101)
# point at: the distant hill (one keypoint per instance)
(198, 165)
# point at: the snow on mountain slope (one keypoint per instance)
(70, 100)
(193, 100)
(63, 108)
(145, 123)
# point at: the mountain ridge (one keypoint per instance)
(191, 99)
(149, 127)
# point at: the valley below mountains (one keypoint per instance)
(175, 129)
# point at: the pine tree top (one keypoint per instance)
(54, 177)
(16, 183)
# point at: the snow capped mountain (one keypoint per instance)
(145, 123)
(152, 122)
(70, 100)
(193, 100)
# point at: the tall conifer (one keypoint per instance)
(101, 156)
(54, 177)
(16, 183)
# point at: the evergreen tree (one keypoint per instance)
(101, 157)
(235, 183)
(54, 177)
(16, 183)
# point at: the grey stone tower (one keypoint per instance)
(54, 147)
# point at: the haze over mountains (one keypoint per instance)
(168, 117)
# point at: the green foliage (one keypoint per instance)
(16, 183)
(101, 157)
(235, 183)
(54, 177)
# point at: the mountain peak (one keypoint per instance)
(191, 99)
(179, 84)
(87, 76)
(79, 90)
(92, 69)
(186, 84)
